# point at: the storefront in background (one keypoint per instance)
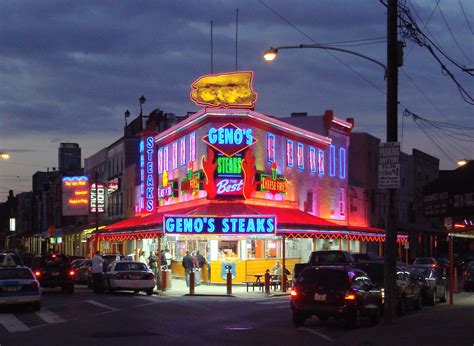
(243, 188)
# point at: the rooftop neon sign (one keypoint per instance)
(229, 139)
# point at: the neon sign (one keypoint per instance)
(300, 155)
(174, 155)
(312, 160)
(231, 90)
(169, 189)
(99, 199)
(192, 146)
(229, 186)
(75, 195)
(342, 163)
(192, 182)
(320, 162)
(270, 147)
(148, 177)
(229, 139)
(182, 151)
(332, 160)
(273, 183)
(289, 153)
(229, 165)
(219, 225)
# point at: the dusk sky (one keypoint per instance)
(70, 69)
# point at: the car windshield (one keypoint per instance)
(329, 257)
(15, 273)
(324, 277)
(52, 261)
(423, 272)
(130, 266)
(9, 259)
(424, 261)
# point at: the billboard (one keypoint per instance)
(75, 195)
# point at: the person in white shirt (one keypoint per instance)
(97, 268)
(142, 258)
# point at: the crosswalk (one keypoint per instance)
(25, 321)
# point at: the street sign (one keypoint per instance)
(389, 165)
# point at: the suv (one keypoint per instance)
(409, 290)
(54, 270)
(324, 257)
(9, 259)
(342, 292)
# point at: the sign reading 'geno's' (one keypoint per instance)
(219, 225)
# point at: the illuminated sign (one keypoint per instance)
(230, 90)
(192, 146)
(229, 139)
(270, 147)
(113, 185)
(229, 186)
(320, 162)
(312, 159)
(192, 182)
(169, 189)
(273, 183)
(220, 225)
(98, 200)
(300, 155)
(75, 195)
(229, 165)
(289, 153)
(182, 151)
(174, 155)
(147, 174)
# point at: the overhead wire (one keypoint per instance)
(465, 17)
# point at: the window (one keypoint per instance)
(192, 146)
(165, 158)
(182, 151)
(342, 163)
(320, 162)
(160, 161)
(174, 155)
(309, 202)
(270, 147)
(300, 155)
(312, 160)
(342, 202)
(332, 160)
(289, 153)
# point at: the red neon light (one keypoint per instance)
(248, 167)
(209, 167)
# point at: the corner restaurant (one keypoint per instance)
(243, 188)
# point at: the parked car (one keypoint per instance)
(468, 276)
(433, 283)
(128, 275)
(82, 272)
(425, 260)
(108, 260)
(18, 285)
(10, 259)
(409, 289)
(74, 257)
(324, 257)
(54, 270)
(368, 256)
(342, 292)
(77, 263)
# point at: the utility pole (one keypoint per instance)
(391, 212)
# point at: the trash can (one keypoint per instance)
(166, 279)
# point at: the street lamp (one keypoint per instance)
(142, 100)
(391, 75)
(127, 115)
(462, 162)
(4, 155)
(272, 53)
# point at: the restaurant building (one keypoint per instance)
(243, 188)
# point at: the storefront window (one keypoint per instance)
(228, 249)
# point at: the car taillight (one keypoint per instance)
(293, 293)
(149, 276)
(37, 273)
(72, 273)
(350, 296)
(118, 276)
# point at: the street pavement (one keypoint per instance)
(85, 318)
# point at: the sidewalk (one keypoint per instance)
(443, 324)
(179, 288)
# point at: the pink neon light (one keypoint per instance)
(289, 153)
(160, 161)
(165, 159)
(192, 146)
(300, 156)
(270, 147)
(341, 122)
(312, 159)
(174, 153)
(182, 147)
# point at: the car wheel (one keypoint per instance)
(418, 303)
(149, 292)
(298, 319)
(402, 306)
(36, 306)
(354, 320)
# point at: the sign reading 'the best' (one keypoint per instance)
(220, 225)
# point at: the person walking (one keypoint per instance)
(188, 266)
(153, 264)
(142, 258)
(97, 268)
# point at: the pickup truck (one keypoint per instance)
(325, 257)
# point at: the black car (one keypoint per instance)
(409, 289)
(324, 257)
(433, 283)
(368, 256)
(469, 276)
(10, 258)
(342, 292)
(54, 270)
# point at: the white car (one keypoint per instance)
(18, 285)
(129, 275)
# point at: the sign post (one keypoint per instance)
(389, 165)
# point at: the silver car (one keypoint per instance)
(129, 275)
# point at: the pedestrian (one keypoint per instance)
(97, 268)
(200, 259)
(142, 258)
(188, 266)
(197, 269)
(153, 263)
(168, 257)
(164, 261)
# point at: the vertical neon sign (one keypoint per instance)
(312, 160)
(320, 162)
(300, 155)
(332, 160)
(182, 150)
(165, 159)
(141, 200)
(270, 147)
(342, 163)
(289, 153)
(150, 181)
(174, 157)
(160, 161)
(192, 146)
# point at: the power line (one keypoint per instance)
(465, 17)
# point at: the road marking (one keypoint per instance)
(100, 305)
(13, 324)
(274, 302)
(50, 317)
(150, 299)
(318, 333)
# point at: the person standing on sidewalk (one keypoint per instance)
(97, 268)
(188, 266)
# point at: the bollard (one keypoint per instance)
(191, 282)
(267, 281)
(455, 290)
(229, 282)
(164, 280)
(284, 280)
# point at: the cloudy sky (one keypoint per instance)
(70, 69)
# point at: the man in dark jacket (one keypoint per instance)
(188, 266)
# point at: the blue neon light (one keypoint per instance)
(312, 160)
(77, 178)
(219, 225)
(230, 135)
(300, 155)
(342, 163)
(320, 162)
(289, 153)
(270, 147)
(332, 160)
